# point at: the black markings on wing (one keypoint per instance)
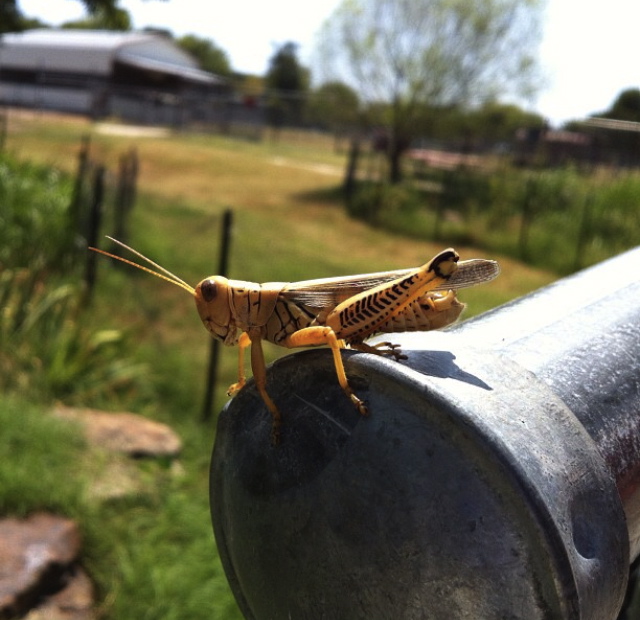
(329, 292)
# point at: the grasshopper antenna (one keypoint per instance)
(165, 275)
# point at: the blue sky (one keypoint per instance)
(589, 51)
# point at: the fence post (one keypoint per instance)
(4, 127)
(350, 180)
(76, 215)
(214, 351)
(93, 231)
(125, 196)
(585, 232)
(497, 475)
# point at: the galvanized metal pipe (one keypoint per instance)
(498, 475)
(581, 336)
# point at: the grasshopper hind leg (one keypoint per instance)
(320, 335)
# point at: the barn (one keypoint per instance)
(135, 76)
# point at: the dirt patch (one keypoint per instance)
(133, 131)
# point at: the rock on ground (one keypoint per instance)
(39, 570)
(124, 432)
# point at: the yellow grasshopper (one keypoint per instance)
(338, 312)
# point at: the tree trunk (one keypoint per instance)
(398, 144)
(395, 161)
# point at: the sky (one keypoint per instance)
(588, 54)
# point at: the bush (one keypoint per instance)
(559, 219)
(34, 217)
(48, 353)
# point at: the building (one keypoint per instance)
(136, 76)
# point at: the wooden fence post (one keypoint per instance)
(93, 230)
(214, 352)
(4, 127)
(125, 196)
(350, 179)
(585, 231)
(75, 208)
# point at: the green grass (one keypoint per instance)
(35, 453)
(152, 554)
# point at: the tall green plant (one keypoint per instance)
(48, 353)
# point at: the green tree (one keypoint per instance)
(414, 55)
(11, 19)
(499, 121)
(334, 105)
(287, 83)
(210, 57)
(102, 19)
(107, 13)
(626, 107)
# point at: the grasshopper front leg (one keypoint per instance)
(243, 342)
(259, 369)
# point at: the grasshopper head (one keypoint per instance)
(211, 295)
(212, 302)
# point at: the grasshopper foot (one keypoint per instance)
(390, 349)
(386, 349)
(234, 388)
(363, 410)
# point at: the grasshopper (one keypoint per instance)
(338, 312)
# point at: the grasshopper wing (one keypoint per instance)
(329, 292)
(471, 272)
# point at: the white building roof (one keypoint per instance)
(95, 51)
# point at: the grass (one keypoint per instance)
(152, 554)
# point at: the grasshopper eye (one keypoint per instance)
(209, 290)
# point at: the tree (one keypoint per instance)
(10, 17)
(106, 12)
(210, 57)
(111, 18)
(622, 146)
(287, 83)
(334, 105)
(499, 122)
(626, 107)
(413, 55)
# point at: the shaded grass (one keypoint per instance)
(152, 554)
(35, 453)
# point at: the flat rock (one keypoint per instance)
(73, 602)
(124, 432)
(37, 556)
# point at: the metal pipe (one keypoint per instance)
(581, 336)
(497, 476)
